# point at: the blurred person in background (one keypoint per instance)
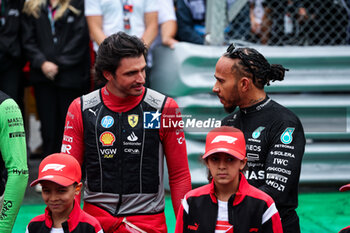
(259, 27)
(139, 18)
(240, 27)
(346, 4)
(10, 48)
(284, 18)
(13, 162)
(328, 21)
(56, 42)
(167, 28)
(190, 16)
(191, 22)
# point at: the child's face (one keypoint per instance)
(58, 198)
(225, 168)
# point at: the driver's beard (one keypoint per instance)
(230, 109)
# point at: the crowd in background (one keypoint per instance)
(270, 22)
(57, 40)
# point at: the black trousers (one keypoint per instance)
(52, 103)
(290, 221)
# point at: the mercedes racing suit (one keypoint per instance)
(275, 144)
(121, 143)
(13, 162)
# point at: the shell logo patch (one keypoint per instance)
(107, 138)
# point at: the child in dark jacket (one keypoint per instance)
(228, 203)
(59, 176)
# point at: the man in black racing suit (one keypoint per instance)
(274, 134)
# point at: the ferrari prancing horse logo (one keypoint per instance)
(133, 119)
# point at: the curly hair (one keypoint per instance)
(254, 65)
(114, 48)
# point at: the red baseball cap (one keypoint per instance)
(60, 168)
(225, 139)
(344, 188)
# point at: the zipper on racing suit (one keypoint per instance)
(120, 163)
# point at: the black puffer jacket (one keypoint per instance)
(70, 52)
(10, 46)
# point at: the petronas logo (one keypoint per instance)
(287, 136)
(257, 132)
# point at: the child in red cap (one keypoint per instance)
(228, 203)
(343, 189)
(59, 176)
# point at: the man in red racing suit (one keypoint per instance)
(117, 135)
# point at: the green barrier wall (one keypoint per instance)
(317, 89)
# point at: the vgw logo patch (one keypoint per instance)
(151, 120)
(287, 136)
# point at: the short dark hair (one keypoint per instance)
(114, 48)
(254, 65)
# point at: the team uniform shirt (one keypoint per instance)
(78, 222)
(275, 144)
(13, 162)
(166, 13)
(115, 149)
(222, 223)
(113, 17)
(249, 210)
